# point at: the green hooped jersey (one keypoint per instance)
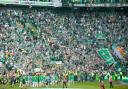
(70, 77)
(26, 78)
(21, 78)
(34, 78)
(55, 77)
(40, 78)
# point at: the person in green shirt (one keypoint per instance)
(21, 79)
(116, 76)
(33, 81)
(121, 75)
(36, 81)
(56, 79)
(26, 79)
(44, 80)
(24, 82)
(70, 77)
(40, 80)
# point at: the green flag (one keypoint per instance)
(105, 55)
(100, 35)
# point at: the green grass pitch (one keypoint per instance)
(85, 85)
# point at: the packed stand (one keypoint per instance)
(31, 38)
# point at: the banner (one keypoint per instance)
(119, 52)
(21, 2)
(100, 35)
(106, 56)
(57, 3)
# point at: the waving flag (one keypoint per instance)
(100, 35)
(119, 52)
(106, 56)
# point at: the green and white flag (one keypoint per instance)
(100, 35)
(106, 55)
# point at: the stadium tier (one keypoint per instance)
(67, 3)
(41, 46)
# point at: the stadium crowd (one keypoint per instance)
(30, 39)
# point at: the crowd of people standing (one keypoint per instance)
(31, 38)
